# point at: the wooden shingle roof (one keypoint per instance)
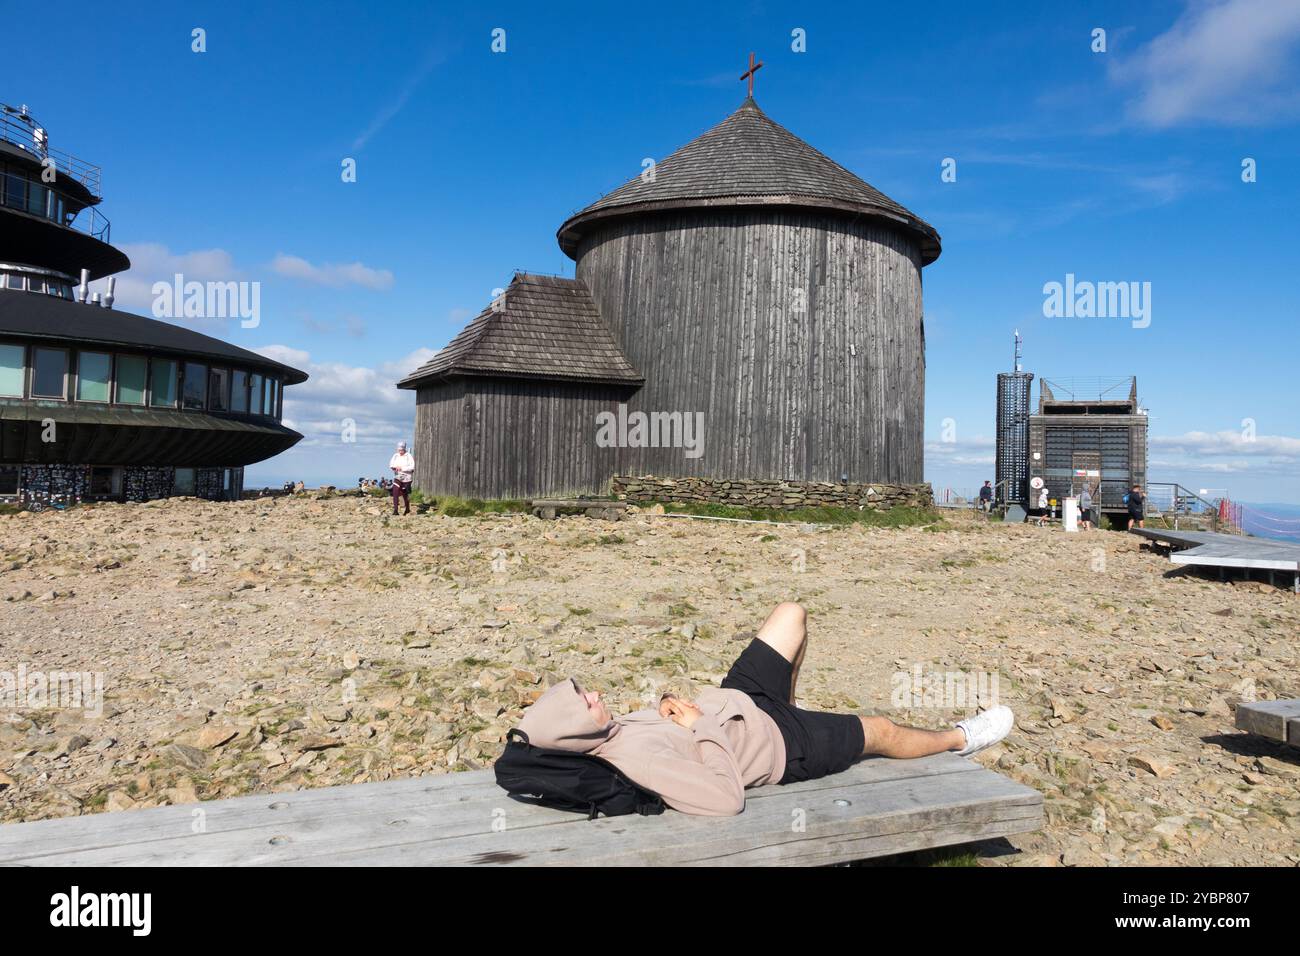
(541, 327)
(748, 159)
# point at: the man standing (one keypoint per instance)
(1085, 507)
(986, 497)
(1135, 503)
(402, 466)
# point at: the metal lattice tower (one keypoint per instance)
(1012, 474)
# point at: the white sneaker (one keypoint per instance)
(986, 729)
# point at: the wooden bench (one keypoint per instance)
(1276, 719)
(875, 808)
(605, 508)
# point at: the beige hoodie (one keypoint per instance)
(702, 769)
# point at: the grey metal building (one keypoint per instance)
(1093, 432)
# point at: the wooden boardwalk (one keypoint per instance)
(1211, 549)
(1276, 719)
(875, 808)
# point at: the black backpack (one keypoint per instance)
(570, 781)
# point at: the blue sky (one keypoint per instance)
(1117, 166)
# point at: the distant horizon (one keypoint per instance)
(255, 479)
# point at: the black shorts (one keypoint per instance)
(816, 744)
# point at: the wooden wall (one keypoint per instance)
(503, 438)
(704, 305)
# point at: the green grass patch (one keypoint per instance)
(454, 507)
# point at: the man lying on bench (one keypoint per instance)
(699, 757)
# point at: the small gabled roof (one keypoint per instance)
(748, 159)
(541, 327)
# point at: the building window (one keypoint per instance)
(238, 391)
(162, 383)
(268, 397)
(15, 189)
(195, 385)
(218, 380)
(184, 482)
(8, 480)
(105, 482)
(93, 372)
(49, 373)
(11, 371)
(130, 379)
(36, 199)
(255, 394)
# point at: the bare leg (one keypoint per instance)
(794, 673)
(785, 631)
(888, 739)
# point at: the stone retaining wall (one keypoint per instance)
(756, 493)
(50, 484)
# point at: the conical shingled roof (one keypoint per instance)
(748, 159)
(543, 327)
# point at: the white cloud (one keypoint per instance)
(153, 262)
(352, 324)
(1210, 444)
(335, 392)
(1272, 459)
(332, 274)
(972, 452)
(381, 119)
(1223, 61)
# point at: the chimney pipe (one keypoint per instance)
(84, 289)
(94, 300)
(108, 296)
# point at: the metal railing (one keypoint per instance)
(93, 223)
(20, 129)
(1167, 499)
(88, 220)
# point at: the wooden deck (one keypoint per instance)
(608, 509)
(1276, 719)
(875, 808)
(1209, 548)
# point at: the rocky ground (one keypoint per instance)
(276, 644)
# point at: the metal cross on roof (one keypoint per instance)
(749, 74)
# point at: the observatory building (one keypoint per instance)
(1093, 433)
(747, 311)
(96, 403)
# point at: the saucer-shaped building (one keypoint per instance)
(747, 283)
(97, 403)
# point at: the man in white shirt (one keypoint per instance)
(402, 465)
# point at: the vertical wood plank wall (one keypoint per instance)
(501, 438)
(704, 304)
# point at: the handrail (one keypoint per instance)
(88, 220)
(1183, 501)
(21, 132)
